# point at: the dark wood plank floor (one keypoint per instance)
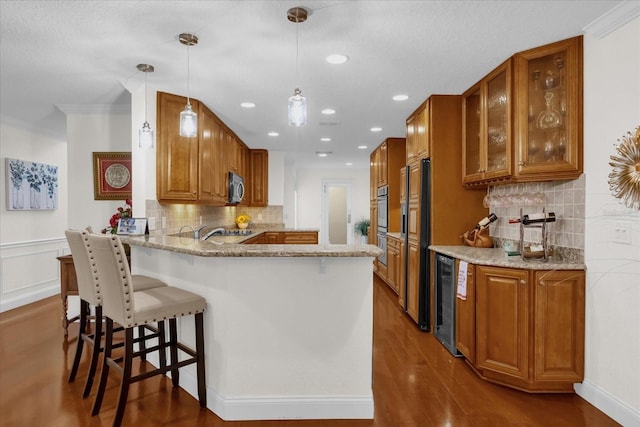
(416, 383)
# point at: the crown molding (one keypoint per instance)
(94, 108)
(615, 18)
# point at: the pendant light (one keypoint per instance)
(146, 137)
(297, 102)
(188, 118)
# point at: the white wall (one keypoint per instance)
(612, 107)
(29, 238)
(309, 190)
(109, 130)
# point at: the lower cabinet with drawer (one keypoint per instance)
(285, 237)
(523, 328)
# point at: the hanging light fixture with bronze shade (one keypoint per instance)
(146, 137)
(297, 102)
(188, 118)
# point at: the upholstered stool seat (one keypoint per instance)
(130, 309)
(91, 295)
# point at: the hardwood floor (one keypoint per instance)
(416, 382)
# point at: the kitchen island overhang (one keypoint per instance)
(288, 328)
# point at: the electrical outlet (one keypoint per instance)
(164, 222)
(152, 223)
(200, 219)
(259, 217)
(622, 232)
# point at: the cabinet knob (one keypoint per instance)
(521, 163)
(522, 282)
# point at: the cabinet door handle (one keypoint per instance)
(522, 282)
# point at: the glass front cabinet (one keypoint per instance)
(549, 111)
(523, 121)
(487, 127)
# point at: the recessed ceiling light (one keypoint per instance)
(247, 105)
(362, 147)
(322, 153)
(400, 97)
(325, 139)
(349, 164)
(375, 129)
(328, 111)
(337, 59)
(273, 134)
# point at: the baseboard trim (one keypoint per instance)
(25, 299)
(608, 404)
(278, 408)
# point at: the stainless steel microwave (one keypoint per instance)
(236, 188)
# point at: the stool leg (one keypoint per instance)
(79, 345)
(108, 346)
(96, 348)
(202, 388)
(173, 351)
(162, 343)
(126, 377)
(142, 345)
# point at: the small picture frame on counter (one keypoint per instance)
(132, 227)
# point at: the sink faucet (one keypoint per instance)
(212, 232)
(196, 232)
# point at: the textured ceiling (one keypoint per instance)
(85, 53)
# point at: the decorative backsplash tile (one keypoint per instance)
(178, 215)
(564, 198)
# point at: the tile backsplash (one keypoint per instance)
(177, 215)
(564, 198)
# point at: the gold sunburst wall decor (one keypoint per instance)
(624, 179)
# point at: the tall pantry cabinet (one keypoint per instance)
(434, 131)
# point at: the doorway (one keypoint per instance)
(336, 213)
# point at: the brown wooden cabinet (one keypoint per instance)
(285, 237)
(523, 121)
(529, 327)
(486, 131)
(300, 237)
(259, 178)
(393, 263)
(466, 317)
(195, 170)
(177, 156)
(412, 296)
(548, 111)
(502, 321)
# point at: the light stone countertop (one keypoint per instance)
(497, 257)
(231, 246)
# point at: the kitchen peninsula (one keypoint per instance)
(288, 328)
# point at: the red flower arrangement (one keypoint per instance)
(122, 212)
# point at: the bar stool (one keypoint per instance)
(90, 295)
(131, 309)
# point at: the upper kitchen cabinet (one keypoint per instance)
(386, 161)
(195, 170)
(177, 156)
(416, 131)
(523, 121)
(259, 178)
(548, 111)
(486, 131)
(212, 173)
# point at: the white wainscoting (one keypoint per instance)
(29, 271)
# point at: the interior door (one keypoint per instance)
(336, 207)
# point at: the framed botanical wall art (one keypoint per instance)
(112, 175)
(31, 185)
